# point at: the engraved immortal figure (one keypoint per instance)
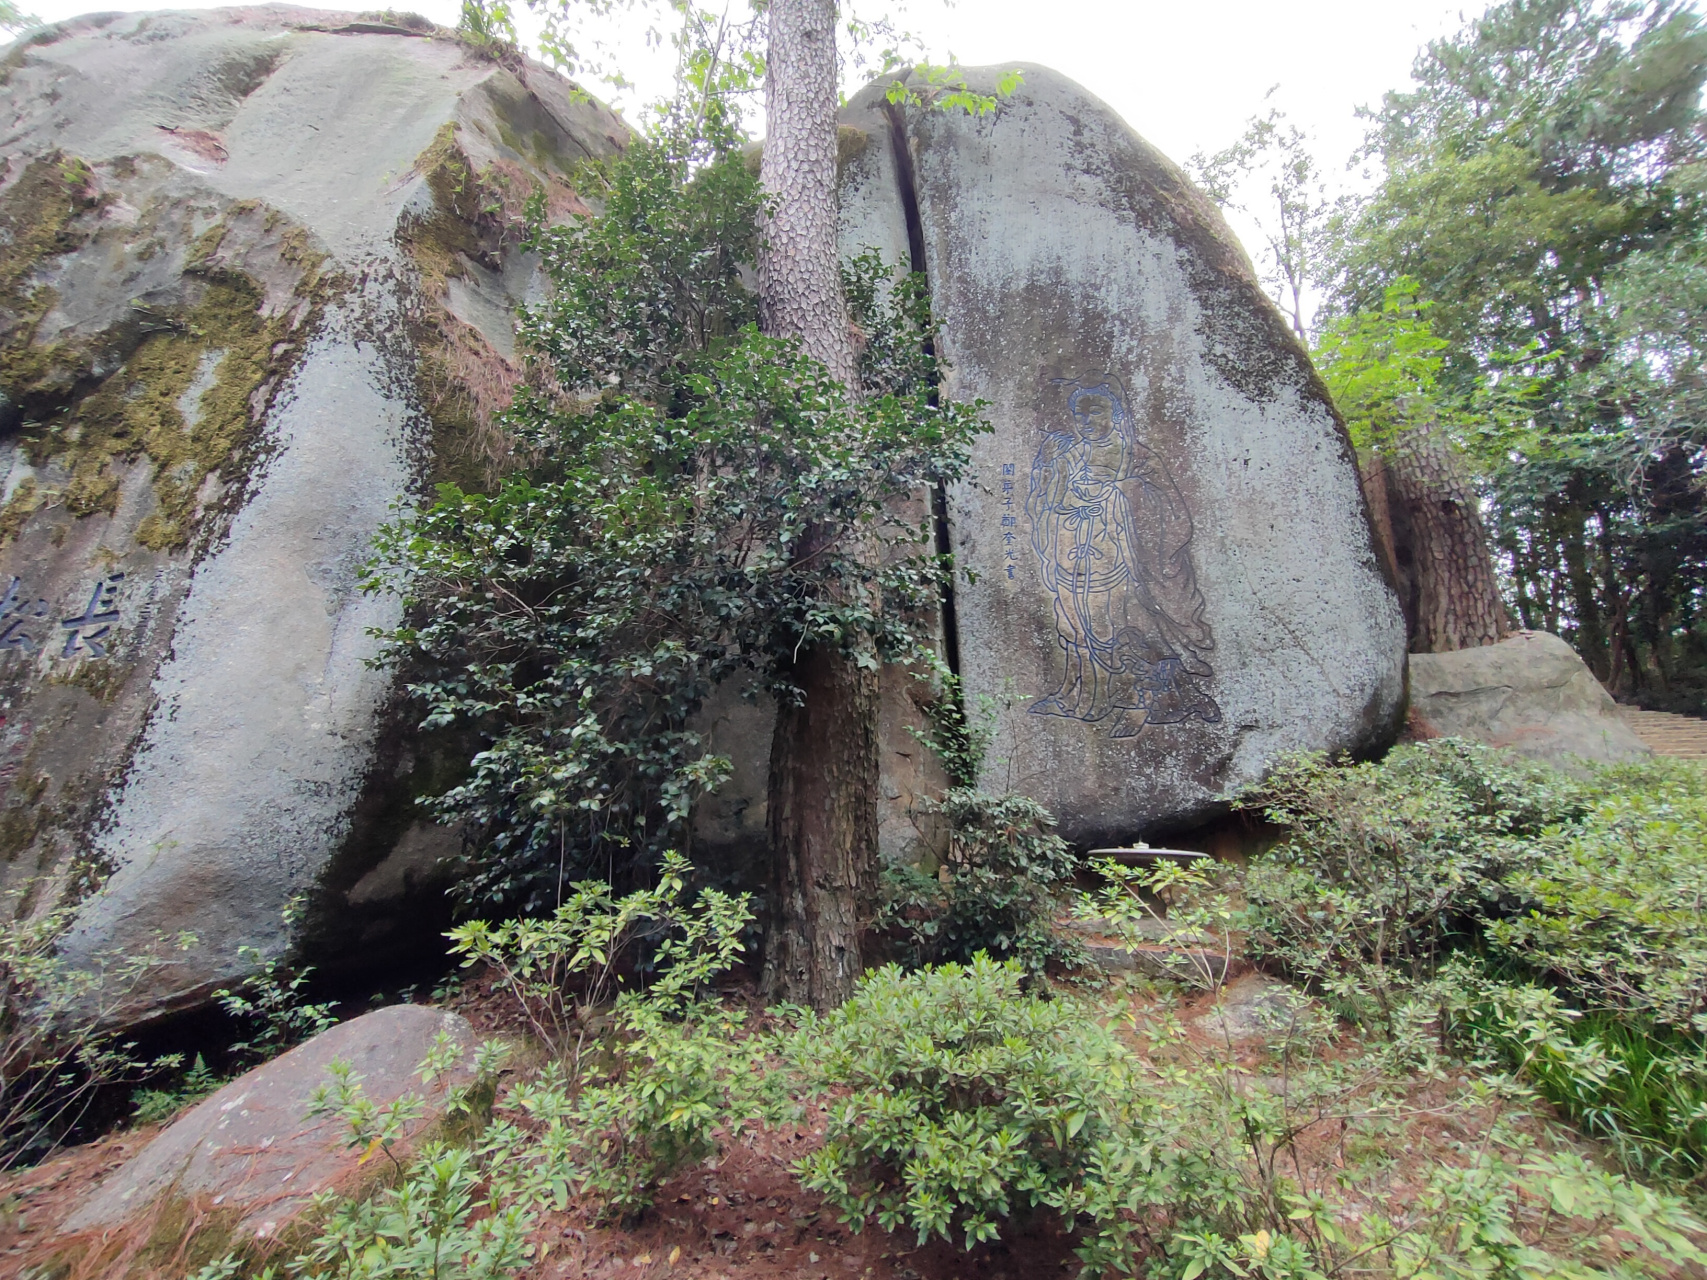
(1113, 537)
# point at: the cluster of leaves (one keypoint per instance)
(998, 891)
(57, 1047)
(577, 617)
(1550, 918)
(963, 1102)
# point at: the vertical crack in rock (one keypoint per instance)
(916, 261)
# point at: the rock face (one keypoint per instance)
(251, 1149)
(1174, 578)
(257, 274)
(1531, 693)
(254, 289)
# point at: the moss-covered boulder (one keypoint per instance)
(257, 275)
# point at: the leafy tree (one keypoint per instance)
(1540, 186)
(577, 616)
(1383, 369)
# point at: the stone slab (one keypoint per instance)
(251, 1148)
(1531, 693)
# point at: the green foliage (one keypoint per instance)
(959, 1102)
(1383, 367)
(1550, 923)
(577, 617)
(1542, 189)
(1614, 901)
(152, 1105)
(1386, 867)
(670, 1082)
(1294, 211)
(1187, 905)
(57, 1051)
(945, 88)
(272, 1001)
(486, 24)
(967, 1101)
(565, 965)
(998, 891)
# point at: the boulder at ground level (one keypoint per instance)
(1171, 575)
(1531, 693)
(251, 1149)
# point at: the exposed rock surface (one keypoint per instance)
(1531, 693)
(1251, 1007)
(1175, 580)
(253, 291)
(251, 1150)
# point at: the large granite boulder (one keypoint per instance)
(256, 287)
(1173, 578)
(1531, 693)
(253, 1156)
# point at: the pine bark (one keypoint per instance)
(800, 281)
(1439, 546)
(823, 790)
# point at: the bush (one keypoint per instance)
(1385, 868)
(1573, 906)
(565, 966)
(968, 1101)
(1004, 881)
(55, 1052)
(958, 1101)
(1614, 901)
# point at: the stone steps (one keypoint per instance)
(1669, 734)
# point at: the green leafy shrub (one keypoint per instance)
(563, 967)
(639, 1088)
(1386, 867)
(968, 1101)
(667, 1085)
(1614, 902)
(998, 891)
(957, 1102)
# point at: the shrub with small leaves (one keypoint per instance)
(968, 1102)
(999, 890)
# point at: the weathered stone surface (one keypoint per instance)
(1175, 579)
(252, 293)
(1531, 693)
(251, 1148)
(1252, 1007)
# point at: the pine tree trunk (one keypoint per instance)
(824, 756)
(1446, 574)
(800, 281)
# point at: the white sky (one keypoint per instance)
(1184, 75)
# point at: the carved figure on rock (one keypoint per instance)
(1113, 540)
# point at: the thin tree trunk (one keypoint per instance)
(1454, 594)
(824, 756)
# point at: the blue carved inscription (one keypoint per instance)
(1112, 537)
